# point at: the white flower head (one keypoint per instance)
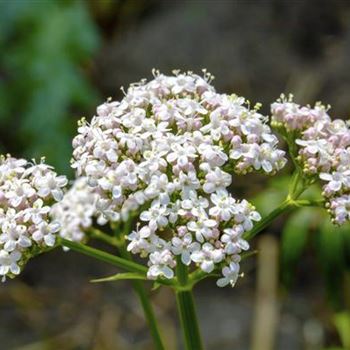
(166, 154)
(27, 191)
(323, 150)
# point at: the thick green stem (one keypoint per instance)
(181, 272)
(187, 310)
(103, 256)
(188, 319)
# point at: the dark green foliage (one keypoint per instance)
(309, 231)
(293, 242)
(44, 47)
(330, 249)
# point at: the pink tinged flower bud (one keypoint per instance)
(236, 140)
(182, 230)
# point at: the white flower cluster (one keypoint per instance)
(26, 193)
(324, 150)
(75, 212)
(164, 153)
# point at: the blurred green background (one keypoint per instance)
(60, 58)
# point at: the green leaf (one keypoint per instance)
(294, 239)
(342, 323)
(120, 277)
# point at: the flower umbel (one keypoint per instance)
(166, 153)
(323, 150)
(27, 191)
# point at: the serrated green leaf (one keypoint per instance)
(120, 277)
(293, 242)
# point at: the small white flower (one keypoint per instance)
(184, 246)
(182, 154)
(37, 212)
(213, 155)
(336, 180)
(45, 232)
(19, 192)
(230, 274)
(225, 205)
(216, 180)
(188, 183)
(340, 209)
(202, 227)
(207, 257)
(8, 263)
(246, 215)
(234, 244)
(194, 204)
(156, 215)
(143, 241)
(13, 236)
(50, 184)
(218, 126)
(161, 264)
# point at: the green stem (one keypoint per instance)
(103, 256)
(309, 203)
(149, 314)
(146, 304)
(187, 310)
(138, 286)
(296, 188)
(181, 272)
(293, 151)
(283, 207)
(97, 234)
(297, 176)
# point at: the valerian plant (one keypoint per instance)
(156, 167)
